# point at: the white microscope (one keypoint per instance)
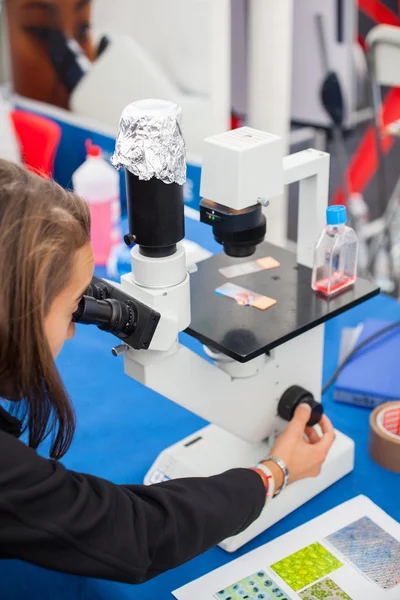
(257, 365)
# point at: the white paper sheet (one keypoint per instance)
(354, 580)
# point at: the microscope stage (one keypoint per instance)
(245, 332)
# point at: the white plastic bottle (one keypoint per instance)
(98, 183)
(336, 254)
(9, 146)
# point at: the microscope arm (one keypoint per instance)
(311, 169)
(240, 398)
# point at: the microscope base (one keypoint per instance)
(201, 455)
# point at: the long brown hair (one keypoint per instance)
(41, 227)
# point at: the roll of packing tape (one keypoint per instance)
(384, 436)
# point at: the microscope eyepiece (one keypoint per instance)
(114, 311)
(114, 316)
(97, 290)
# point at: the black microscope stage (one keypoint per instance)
(245, 332)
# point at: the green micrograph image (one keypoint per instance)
(324, 590)
(306, 566)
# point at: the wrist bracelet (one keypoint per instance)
(282, 465)
(271, 480)
(265, 478)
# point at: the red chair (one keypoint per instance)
(39, 139)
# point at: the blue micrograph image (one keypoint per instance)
(258, 586)
(371, 550)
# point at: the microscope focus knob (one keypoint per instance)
(119, 350)
(129, 239)
(291, 399)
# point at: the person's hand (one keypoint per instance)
(301, 447)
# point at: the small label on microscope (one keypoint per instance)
(247, 268)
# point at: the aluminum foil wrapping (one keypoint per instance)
(150, 141)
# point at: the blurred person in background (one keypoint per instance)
(47, 39)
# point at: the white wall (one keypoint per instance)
(188, 38)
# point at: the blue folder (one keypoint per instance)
(373, 375)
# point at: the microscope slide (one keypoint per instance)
(245, 297)
(254, 266)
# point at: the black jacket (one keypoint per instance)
(84, 525)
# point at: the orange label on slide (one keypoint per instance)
(268, 263)
(263, 302)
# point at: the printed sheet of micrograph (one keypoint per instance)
(350, 553)
(309, 572)
(324, 590)
(259, 586)
(371, 550)
(262, 586)
(306, 566)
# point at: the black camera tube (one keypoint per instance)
(156, 215)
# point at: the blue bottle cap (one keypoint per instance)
(336, 215)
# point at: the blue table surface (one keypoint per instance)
(122, 427)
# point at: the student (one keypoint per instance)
(69, 521)
(30, 27)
